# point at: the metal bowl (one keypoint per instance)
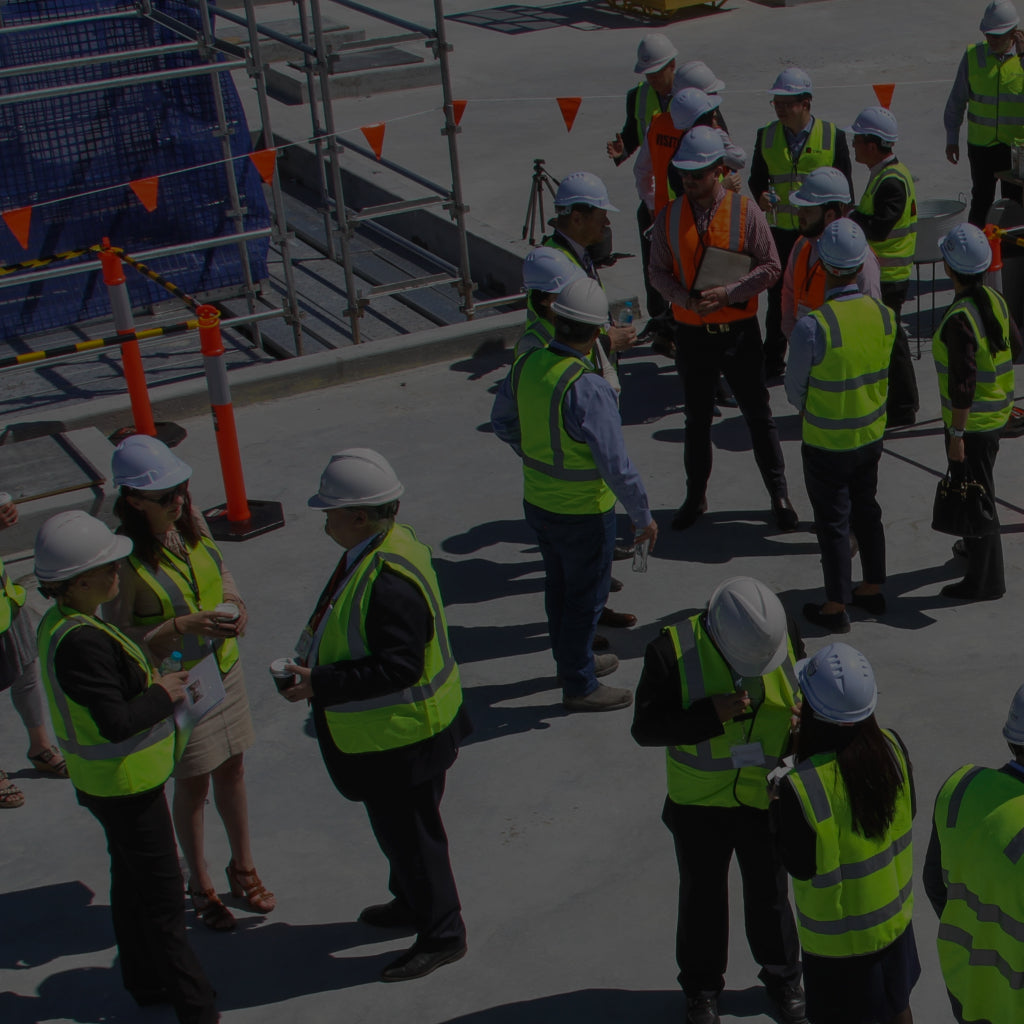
(935, 217)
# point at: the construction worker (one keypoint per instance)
(823, 198)
(974, 349)
(718, 690)
(546, 271)
(989, 86)
(716, 326)
(972, 877)
(843, 820)
(785, 151)
(376, 664)
(887, 212)
(656, 62)
(562, 419)
(836, 379)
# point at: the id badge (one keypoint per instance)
(304, 645)
(747, 755)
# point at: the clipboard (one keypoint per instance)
(203, 692)
(720, 267)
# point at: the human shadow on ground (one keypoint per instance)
(492, 717)
(478, 580)
(504, 640)
(650, 391)
(482, 535)
(719, 537)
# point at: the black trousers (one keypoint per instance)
(700, 358)
(984, 573)
(775, 341)
(705, 840)
(656, 304)
(985, 161)
(407, 824)
(903, 401)
(842, 488)
(147, 902)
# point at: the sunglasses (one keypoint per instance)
(165, 499)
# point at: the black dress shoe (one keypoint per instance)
(617, 620)
(615, 586)
(416, 963)
(874, 604)
(622, 552)
(791, 1002)
(962, 592)
(833, 622)
(599, 643)
(702, 1009)
(960, 548)
(786, 518)
(688, 513)
(388, 915)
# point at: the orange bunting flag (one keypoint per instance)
(884, 93)
(569, 105)
(19, 221)
(265, 160)
(146, 189)
(458, 109)
(375, 137)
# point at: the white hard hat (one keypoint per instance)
(695, 74)
(71, 543)
(143, 463)
(748, 624)
(653, 53)
(582, 301)
(701, 147)
(878, 121)
(843, 245)
(1013, 731)
(999, 18)
(689, 104)
(966, 249)
(356, 477)
(822, 185)
(839, 684)
(547, 269)
(791, 82)
(584, 188)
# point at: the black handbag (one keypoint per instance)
(962, 507)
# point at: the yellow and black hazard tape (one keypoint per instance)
(45, 261)
(189, 300)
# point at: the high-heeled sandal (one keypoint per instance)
(248, 884)
(210, 909)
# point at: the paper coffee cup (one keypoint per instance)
(226, 611)
(284, 678)
(5, 499)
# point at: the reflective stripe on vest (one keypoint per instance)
(808, 278)
(538, 334)
(96, 765)
(704, 773)
(846, 393)
(646, 106)
(861, 899)
(172, 585)
(979, 822)
(995, 98)
(727, 230)
(993, 389)
(896, 251)
(11, 596)
(663, 140)
(559, 472)
(786, 176)
(417, 712)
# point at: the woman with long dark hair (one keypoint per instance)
(974, 349)
(171, 588)
(843, 819)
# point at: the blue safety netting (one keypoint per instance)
(61, 154)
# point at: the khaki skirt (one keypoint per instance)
(224, 732)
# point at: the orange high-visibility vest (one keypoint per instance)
(663, 140)
(808, 280)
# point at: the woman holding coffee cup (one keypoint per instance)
(177, 595)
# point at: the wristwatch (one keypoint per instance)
(956, 432)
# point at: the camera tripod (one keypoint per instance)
(535, 209)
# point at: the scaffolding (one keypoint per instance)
(313, 51)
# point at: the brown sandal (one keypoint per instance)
(10, 795)
(50, 762)
(248, 884)
(211, 911)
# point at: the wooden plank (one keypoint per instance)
(44, 466)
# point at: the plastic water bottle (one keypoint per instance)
(172, 663)
(626, 316)
(640, 556)
(773, 198)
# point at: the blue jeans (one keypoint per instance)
(577, 553)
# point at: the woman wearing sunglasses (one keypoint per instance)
(171, 586)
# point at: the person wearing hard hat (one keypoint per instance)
(972, 877)
(562, 419)
(837, 380)
(887, 212)
(546, 272)
(823, 198)
(716, 322)
(974, 349)
(656, 62)
(785, 152)
(843, 821)
(989, 86)
(376, 664)
(171, 597)
(718, 690)
(113, 718)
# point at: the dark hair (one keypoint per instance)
(535, 299)
(707, 119)
(834, 206)
(135, 525)
(571, 332)
(975, 290)
(885, 147)
(867, 763)
(55, 590)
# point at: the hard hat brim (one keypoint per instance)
(650, 69)
(325, 504)
(752, 669)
